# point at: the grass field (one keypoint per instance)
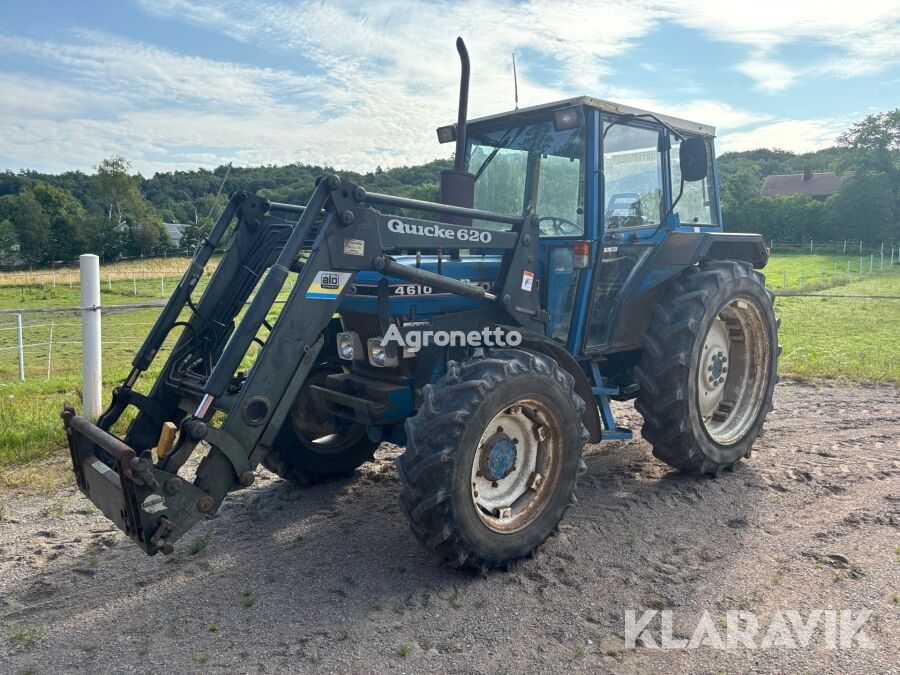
(831, 337)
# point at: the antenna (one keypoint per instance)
(515, 80)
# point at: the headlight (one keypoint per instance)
(349, 346)
(378, 354)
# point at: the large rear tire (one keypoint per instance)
(492, 458)
(708, 367)
(310, 447)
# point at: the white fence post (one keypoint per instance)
(21, 345)
(91, 372)
(49, 350)
(871, 263)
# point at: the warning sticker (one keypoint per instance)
(354, 247)
(327, 285)
(527, 280)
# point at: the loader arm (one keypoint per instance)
(146, 497)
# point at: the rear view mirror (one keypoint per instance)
(693, 159)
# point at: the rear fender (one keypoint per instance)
(683, 249)
(676, 252)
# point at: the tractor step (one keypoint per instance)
(602, 394)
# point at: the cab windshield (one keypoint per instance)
(530, 168)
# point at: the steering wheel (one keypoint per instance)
(558, 227)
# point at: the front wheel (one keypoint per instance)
(492, 457)
(312, 446)
(708, 367)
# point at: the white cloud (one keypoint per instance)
(769, 75)
(795, 135)
(379, 77)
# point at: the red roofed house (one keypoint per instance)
(816, 185)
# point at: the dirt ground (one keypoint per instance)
(330, 579)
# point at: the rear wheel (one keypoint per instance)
(313, 447)
(492, 457)
(708, 368)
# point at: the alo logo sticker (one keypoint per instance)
(327, 285)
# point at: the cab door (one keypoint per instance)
(633, 198)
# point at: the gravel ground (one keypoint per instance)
(330, 579)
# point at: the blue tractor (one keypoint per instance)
(576, 258)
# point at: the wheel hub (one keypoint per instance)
(714, 368)
(515, 466)
(498, 459)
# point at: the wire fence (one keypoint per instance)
(51, 342)
(805, 273)
(843, 246)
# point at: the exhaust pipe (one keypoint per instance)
(458, 186)
(460, 163)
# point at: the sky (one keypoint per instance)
(177, 84)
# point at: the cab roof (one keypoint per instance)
(604, 106)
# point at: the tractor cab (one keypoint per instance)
(602, 179)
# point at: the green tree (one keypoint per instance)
(875, 145)
(127, 206)
(65, 215)
(32, 226)
(8, 242)
(874, 132)
(862, 208)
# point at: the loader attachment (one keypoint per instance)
(233, 417)
(128, 489)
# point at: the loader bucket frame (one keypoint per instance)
(147, 499)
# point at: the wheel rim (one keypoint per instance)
(516, 466)
(733, 371)
(318, 429)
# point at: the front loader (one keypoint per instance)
(576, 258)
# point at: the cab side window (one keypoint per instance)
(697, 205)
(632, 170)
